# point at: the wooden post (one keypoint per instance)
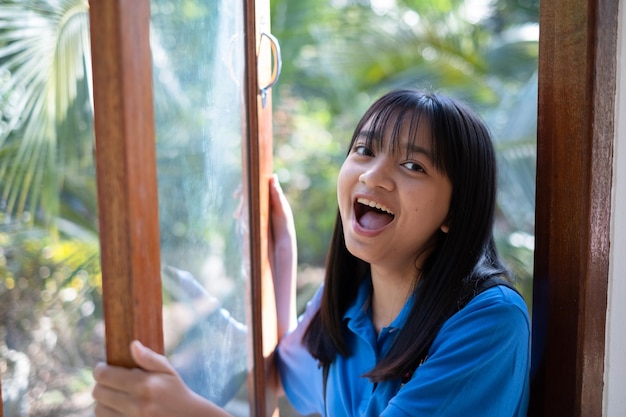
(577, 63)
(257, 161)
(126, 176)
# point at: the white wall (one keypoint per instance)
(615, 358)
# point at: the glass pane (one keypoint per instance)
(51, 331)
(198, 83)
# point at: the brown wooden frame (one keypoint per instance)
(128, 204)
(126, 176)
(257, 171)
(577, 64)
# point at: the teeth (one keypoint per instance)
(374, 205)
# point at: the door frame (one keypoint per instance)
(576, 109)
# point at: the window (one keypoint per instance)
(212, 188)
(192, 205)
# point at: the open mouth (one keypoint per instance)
(371, 215)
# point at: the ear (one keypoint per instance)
(445, 228)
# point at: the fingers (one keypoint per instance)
(283, 246)
(149, 360)
(115, 377)
(283, 257)
(121, 391)
(109, 402)
(111, 390)
(283, 230)
(124, 379)
(101, 410)
(277, 196)
(281, 213)
(278, 201)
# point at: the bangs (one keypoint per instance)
(394, 122)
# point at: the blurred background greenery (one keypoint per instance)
(338, 56)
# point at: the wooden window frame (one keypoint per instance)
(127, 191)
(577, 81)
(259, 166)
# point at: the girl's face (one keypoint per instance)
(392, 203)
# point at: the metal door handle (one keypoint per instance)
(276, 67)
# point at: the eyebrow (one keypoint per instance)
(413, 148)
(368, 134)
(410, 148)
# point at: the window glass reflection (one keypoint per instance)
(198, 71)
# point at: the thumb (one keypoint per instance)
(148, 359)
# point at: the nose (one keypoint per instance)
(378, 175)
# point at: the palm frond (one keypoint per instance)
(44, 57)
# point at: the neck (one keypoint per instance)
(389, 294)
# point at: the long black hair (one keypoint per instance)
(461, 259)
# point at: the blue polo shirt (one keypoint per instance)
(478, 364)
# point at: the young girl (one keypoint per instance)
(415, 316)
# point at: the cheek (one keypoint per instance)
(442, 200)
(434, 210)
(342, 185)
(444, 209)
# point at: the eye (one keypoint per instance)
(414, 166)
(363, 150)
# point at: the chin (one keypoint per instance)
(360, 251)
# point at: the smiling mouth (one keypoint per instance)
(371, 215)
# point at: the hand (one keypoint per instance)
(283, 257)
(154, 389)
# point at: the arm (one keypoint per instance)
(283, 258)
(283, 263)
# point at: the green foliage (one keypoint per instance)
(50, 306)
(337, 59)
(307, 159)
(44, 97)
(45, 277)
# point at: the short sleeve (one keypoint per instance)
(478, 365)
(299, 372)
